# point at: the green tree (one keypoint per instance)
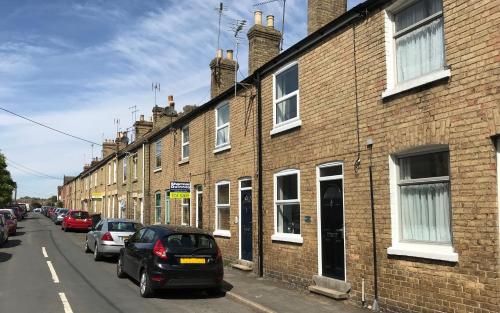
(7, 185)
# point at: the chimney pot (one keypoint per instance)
(270, 21)
(142, 117)
(229, 54)
(258, 17)
(219, 54)
(170, 98)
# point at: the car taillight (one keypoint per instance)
(159, 250)
(107, 237)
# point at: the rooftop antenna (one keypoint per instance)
(156, 88)
(237, 26)
(134, 113)
(116, 121)
(282, 17)
(220, 10)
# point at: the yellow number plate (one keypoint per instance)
(192, 261)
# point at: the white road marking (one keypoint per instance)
(53, 272)
(65, 302)
(44, 252)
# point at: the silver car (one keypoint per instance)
(107, 237)
(60, 216)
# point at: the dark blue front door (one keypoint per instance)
(246, 225)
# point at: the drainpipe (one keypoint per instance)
(259, 176)
(375, 306)
(143, 179)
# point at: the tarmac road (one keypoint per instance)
(45, 270)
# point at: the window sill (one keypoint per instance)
(417, 82)
(425, 251)
(157, 170)
(222, 233)
(222, 148)
(285, 127)
(295, 238)
(183, 161)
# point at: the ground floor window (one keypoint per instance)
(287, 202)
(222, 201)
(158, 207)
(167, 207)
(421, 204)
(186, 211)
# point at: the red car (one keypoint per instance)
(10, 221)
(77, 220)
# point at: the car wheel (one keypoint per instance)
(119, 269)
(87, 249)
(97, 255)
(145, 288)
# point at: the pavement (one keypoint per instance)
(268, 296)
(45, 270)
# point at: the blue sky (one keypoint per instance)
(77, 65)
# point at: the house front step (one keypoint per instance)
(337, 295)
(243, 265)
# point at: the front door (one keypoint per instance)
(246, 224)
(332, 228)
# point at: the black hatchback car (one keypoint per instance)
(171, 257)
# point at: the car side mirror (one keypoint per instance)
(126, 242)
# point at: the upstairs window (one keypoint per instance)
(134, 161)
(415, 43)
(419, 39)
(125, 161)
(114, 171)
(222, 125)
(109, 174)
(185, 142)
(158, 148)
(286, 96)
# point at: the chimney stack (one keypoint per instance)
(223, 73)
(142, 127)
(264, 42)
(108, 147)
(321, 12)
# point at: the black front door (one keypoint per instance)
(332, 229)
(246, 225)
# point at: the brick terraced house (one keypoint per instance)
(360, 163)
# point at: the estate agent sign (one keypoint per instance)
(180, 190)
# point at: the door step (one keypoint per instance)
(337, 295)
(243, 265)
(333, 288)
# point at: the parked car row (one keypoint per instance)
(158, 256)
(9, 216)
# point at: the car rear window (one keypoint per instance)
(123, 226)
(189, 242)
(7, 215)
(80, 215)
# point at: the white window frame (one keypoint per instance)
(157, 218)
(197, 193)
(134, 161)
(435, 251)
(226, 145)
(222, 232)
(293, 122)
(295, 238)
(109, 173)
(158, 154)
(393, 87)
(124, 168)
(184, 143)
(182, 211)
(115, 171)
